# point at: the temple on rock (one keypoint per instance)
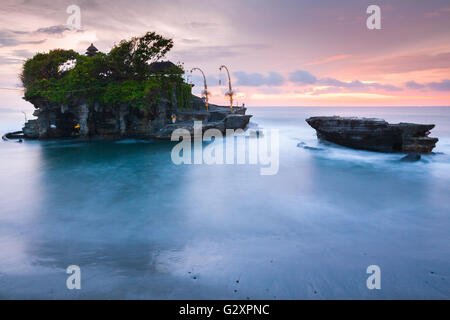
(91, 51)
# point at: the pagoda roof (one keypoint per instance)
(91, 50)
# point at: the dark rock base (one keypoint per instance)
(374, 134)
(121, 122)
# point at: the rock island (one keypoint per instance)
(126, 93)
(374, 134)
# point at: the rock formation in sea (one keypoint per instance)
(128, 92)
(374, 134)
(102, 121)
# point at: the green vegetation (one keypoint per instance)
(125, 75)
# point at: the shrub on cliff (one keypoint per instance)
(45, 66)
(127, 74)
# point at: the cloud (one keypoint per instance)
(8, 60)
(11, 38)
(303, 77)
(326, 90)
(201, 25)
(417, 62)
(200, 53)
(59, 29)
(414, 85)
(437, 13)
(329, 59)
(190, 41)
(385, 87)
(443, 85)
(357, 85)
(210, 33)
(197, 79)
(337, 83)
(269, 90)
(23, 53)
(258, 79)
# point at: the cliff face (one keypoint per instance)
(86, 120)
(374, 134)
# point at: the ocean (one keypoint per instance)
(140, 227)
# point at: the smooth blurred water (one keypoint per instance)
(141, 227)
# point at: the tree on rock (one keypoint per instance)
(131, 59)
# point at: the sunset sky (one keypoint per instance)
(280, 53)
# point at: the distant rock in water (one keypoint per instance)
(304, 146)
(374, 134)
(13, 135)
(412, 157)
(312, 148)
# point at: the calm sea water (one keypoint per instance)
(141, 227)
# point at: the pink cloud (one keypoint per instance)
(329, 59)
(437, 13)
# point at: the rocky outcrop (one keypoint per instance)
(236, 121)
(166, 132)
(374, 134)
(412, 157)
(213, 120)
(86, 120)
(31, 129)
(13, 135)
